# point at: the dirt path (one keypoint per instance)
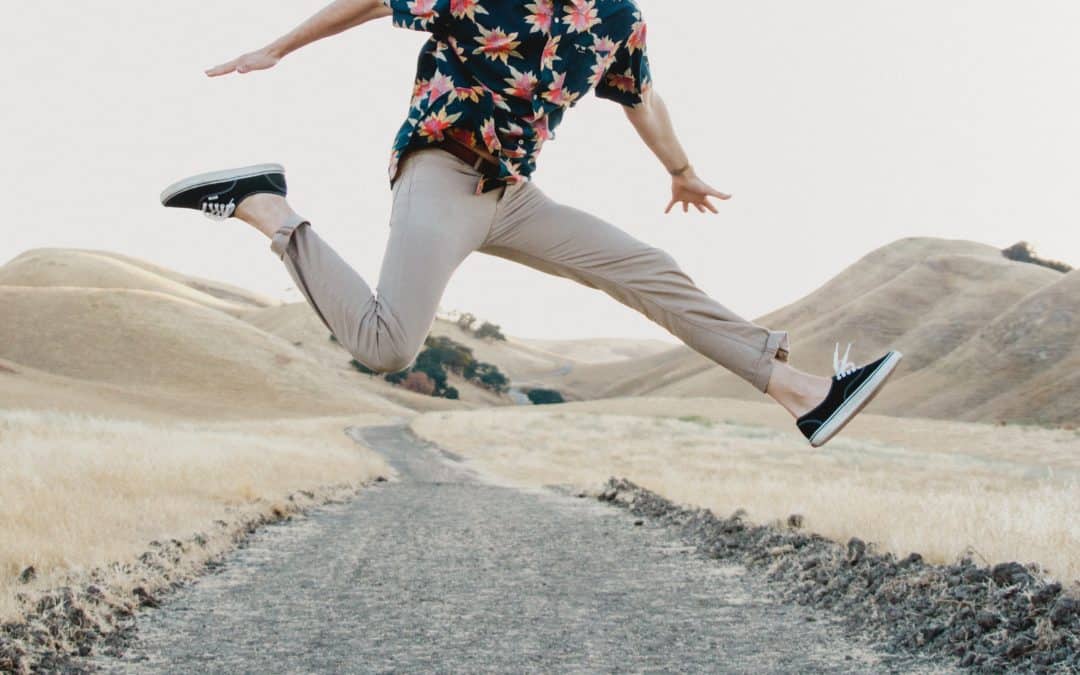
(441, 572)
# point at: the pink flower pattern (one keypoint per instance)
(541, 14)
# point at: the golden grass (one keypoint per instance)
(82, 491)
(933, 487)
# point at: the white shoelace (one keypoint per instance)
(842, 366)
(217, 210)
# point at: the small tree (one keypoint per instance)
(1022, 251)
(454, 355)
(451, 392)
(465, 321)
(489, 330)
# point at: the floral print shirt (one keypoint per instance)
(498, 74)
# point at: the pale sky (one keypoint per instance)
(838, 126)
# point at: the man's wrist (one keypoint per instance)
(679, 171)
(276, 49)
(284, 45)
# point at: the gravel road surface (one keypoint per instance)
(441, 572)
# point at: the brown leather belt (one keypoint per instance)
(474, 159)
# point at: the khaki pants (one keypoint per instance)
(437, 221)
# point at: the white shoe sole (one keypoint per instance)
(218, 176)
(851, 407)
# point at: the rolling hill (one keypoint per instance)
(102, 269)
(160, 347)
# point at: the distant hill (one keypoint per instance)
(163, 348)
(1023, 365)
(600, 350)
(102, 269)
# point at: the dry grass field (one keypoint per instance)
(141, 404)
(933, 487)
(82, 491)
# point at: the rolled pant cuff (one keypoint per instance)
(279, 243)
(777, 340)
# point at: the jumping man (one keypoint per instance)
(493, 82)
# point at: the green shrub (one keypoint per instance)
(490, 377)
(433, 370)
(453, 355)
(396, 377)
(543, 396)
(441, 354)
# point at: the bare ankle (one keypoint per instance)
(265, 212)
(812, 392)
(796, 391)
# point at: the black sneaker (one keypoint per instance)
(852, 388)
(218, 193)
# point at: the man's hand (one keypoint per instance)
(338, 16)
(260, 59)
(653, 124)
(689, 189)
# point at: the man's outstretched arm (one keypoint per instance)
(336, 17)
(652, 122)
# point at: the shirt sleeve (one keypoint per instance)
(429, 16)
(628, 75)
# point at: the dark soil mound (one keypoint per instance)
(1001, 618)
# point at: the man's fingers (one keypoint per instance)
(719, 195)
(222, 69)
(699, 208)
(709, 205)
(668, 209)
